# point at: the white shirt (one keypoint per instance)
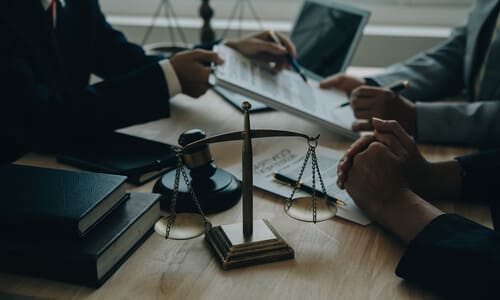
(174, 86)
(46, 4)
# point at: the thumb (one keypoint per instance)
(362, 125)
(270, 48)
(395, 128)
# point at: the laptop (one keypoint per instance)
(326, 34)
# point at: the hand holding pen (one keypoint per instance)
(259, 47)
(387, 103)
(396, 88)
(290, 59)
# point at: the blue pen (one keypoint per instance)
(291, 61)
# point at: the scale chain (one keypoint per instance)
(207, 223)
(172, 216)
(314, 159)
(298, 182)
(314, 200)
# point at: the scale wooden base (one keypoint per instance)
(233, 250)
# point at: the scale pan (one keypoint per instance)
(186, 226)
(302, 209)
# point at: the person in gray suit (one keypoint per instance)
(467, 62)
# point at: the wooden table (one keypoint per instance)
(335, 259)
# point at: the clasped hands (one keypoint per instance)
(386, 176)
(193, 67)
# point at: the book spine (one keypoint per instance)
(81, 270)
(36, 228)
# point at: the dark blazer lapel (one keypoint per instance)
(489, 86)
(475, 24)
(27, 20)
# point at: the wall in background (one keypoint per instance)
(397, 12)
(397, 30)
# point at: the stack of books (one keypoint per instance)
(139, 159)
(72, 226)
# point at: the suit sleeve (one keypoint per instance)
(479, 178)
(429, 71)
(473, 124)
(454, 257)
(113, 53)
(37, 114)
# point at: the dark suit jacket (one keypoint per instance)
(45, 97)
(449, 68)
(453, 256)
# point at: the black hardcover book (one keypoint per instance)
(92, 259)
(54, 202)
(139, 159)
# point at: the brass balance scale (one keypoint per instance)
(252, 241)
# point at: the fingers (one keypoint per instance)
(269, 47)
(343, 82)
(207, 57)
(362, 125)
(288, 44)
(332, 81)
(360, 145)
(341, 174)
(392, 142)
(278, 66)
(395, 128)
(373, 148)
(361, 103)
(366, 91)
(345, 163)
(365, 114)
(279, 61)
(368, 102)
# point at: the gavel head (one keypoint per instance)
(198, 158)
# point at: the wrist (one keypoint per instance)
(408, 215)
(422, 176)
(171, 78)
(389, 211)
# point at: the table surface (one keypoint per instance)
(333, 259)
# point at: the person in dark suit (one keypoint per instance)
(389, 179)
(467, 62)
(49, 49)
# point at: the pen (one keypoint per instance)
(290, 182)
(395, 87)
(293, 62)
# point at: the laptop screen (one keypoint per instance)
(326, 34)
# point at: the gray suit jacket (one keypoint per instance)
(446, 70)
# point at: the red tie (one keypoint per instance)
(52, 12)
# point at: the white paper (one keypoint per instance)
(285, 89)
(288, 158)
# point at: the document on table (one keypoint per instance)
(287, 158)
(283, 91)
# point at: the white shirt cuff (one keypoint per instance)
(174, 86)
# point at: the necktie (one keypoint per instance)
(53, 14)
(490, 61)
